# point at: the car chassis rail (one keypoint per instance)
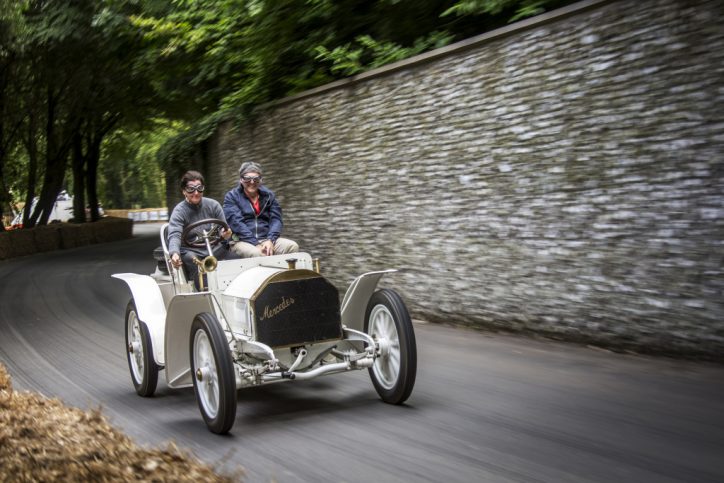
(270, 371)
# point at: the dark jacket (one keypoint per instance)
(245, 223)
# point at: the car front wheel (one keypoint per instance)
(139, 351)
(213, 373)
(394, 370)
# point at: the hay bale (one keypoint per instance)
(110, 229)
(21, 243)
(5, 245)
(47, 238)
(56, 236)
(73, 236)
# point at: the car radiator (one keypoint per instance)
(294, 308)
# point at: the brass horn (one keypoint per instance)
(206, 265)
(210, 263)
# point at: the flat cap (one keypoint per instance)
(249, 167)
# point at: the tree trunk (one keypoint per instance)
(78, 179)
(5, 135)
(57, 147)
(4, 197)
(31, 146)
(94, 155)
(52, 183)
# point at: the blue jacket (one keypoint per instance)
(245, 223)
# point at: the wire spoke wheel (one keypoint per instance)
(387, 365)
(139, 352)
(213, 373)
(395, 367)
(209, 383)
(135, 341)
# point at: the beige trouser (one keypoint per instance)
(281, 247)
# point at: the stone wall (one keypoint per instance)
(562, 176)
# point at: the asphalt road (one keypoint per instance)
(486, 408)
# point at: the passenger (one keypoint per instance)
(255, 217)
(194, 208)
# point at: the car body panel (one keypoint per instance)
(181, 313)
(357, 296)
(150, 308)
(249, 281)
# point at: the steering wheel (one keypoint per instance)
(191, 239)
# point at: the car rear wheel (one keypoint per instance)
(139, 351)
(394, 370)
(213, 373)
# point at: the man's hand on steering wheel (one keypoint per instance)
(224, 232)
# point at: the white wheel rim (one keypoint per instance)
(135, 342)
(383, 329)
(208, 386)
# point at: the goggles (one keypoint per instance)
(191, 189)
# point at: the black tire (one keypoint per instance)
(395, 368)
(139, 353)
(213, 373)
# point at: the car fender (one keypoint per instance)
(182, 310)
(151, 310)
(358, 295)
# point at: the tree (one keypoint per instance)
(10, 120)
(77, 87)
(130, 175)
(52, 41)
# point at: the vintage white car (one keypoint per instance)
(259, 321)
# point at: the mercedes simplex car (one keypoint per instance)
(259, 321)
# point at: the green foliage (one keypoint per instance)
(178, 150)
(15, 173)
(130, 175)
(236, 54)
(523, 9)
(194, 53)
(367, 53)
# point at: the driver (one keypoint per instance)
(194, 208)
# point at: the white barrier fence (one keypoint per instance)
(160, 214)
(141, 215)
